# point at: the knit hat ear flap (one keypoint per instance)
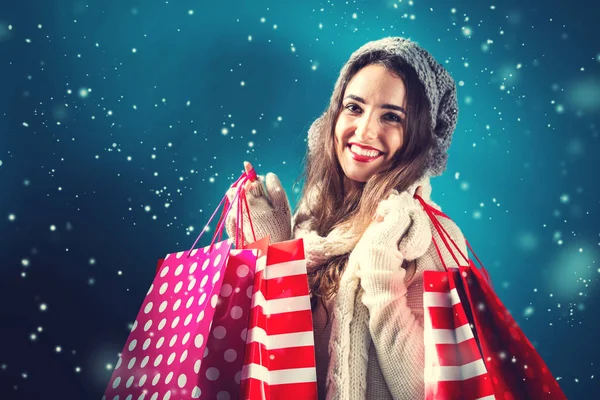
(445, 117)
(442, 133)
(440, 90)
(316, 133)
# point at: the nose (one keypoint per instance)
(367, 127)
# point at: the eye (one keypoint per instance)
(393, 117)
(353, 108)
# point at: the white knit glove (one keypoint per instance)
(270, 212)
(400, 231)
(399, 223)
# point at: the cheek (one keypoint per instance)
(396, 141)
(338, 133)
(341, 127)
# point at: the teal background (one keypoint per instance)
(111, 157)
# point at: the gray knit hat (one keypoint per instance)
(439, 88)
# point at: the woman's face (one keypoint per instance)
(369, 129)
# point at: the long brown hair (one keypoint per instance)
(335, 200)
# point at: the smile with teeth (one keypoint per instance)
(364, 153)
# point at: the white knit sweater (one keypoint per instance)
(375, 346)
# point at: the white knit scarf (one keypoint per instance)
(320, 249)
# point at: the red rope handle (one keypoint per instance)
(239, 233)
(239, 226)
(222, 217)
(439, 253)
(227, 208)
(249, 216)
(441, 231)
(432, 212)
(435, 211)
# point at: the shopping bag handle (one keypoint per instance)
(239, 228)
(239, 233)
(238, 184)
(432, 212)
(241, 202)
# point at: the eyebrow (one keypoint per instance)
(386, 106)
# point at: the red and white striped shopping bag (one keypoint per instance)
(454, 367)
(454, 364)
(473, 347)
(280, 357)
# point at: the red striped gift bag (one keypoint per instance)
(280, 357)
(474, 349)
(454, 366)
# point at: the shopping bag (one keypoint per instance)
(513, 368)
(221, 366)
(280, 357)
(454, 366)
(168, 337)
(516, 368)
(187, 338)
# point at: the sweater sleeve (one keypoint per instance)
(394, 299)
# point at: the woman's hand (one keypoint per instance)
(269, 210)
(401, 225)
(399, 232)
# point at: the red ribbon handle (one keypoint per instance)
(432, 212)
(239, 195)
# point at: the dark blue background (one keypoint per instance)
(82, 224)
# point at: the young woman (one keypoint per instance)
(385, 132)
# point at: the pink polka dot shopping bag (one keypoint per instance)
(188, 340)
(473, 347)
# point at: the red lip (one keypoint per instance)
(365, 159)
(363, 146)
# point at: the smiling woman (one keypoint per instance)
(367, 240)
(380, 140)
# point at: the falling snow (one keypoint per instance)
(122, 135)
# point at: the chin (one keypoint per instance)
(359, 169)
(358, 176)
